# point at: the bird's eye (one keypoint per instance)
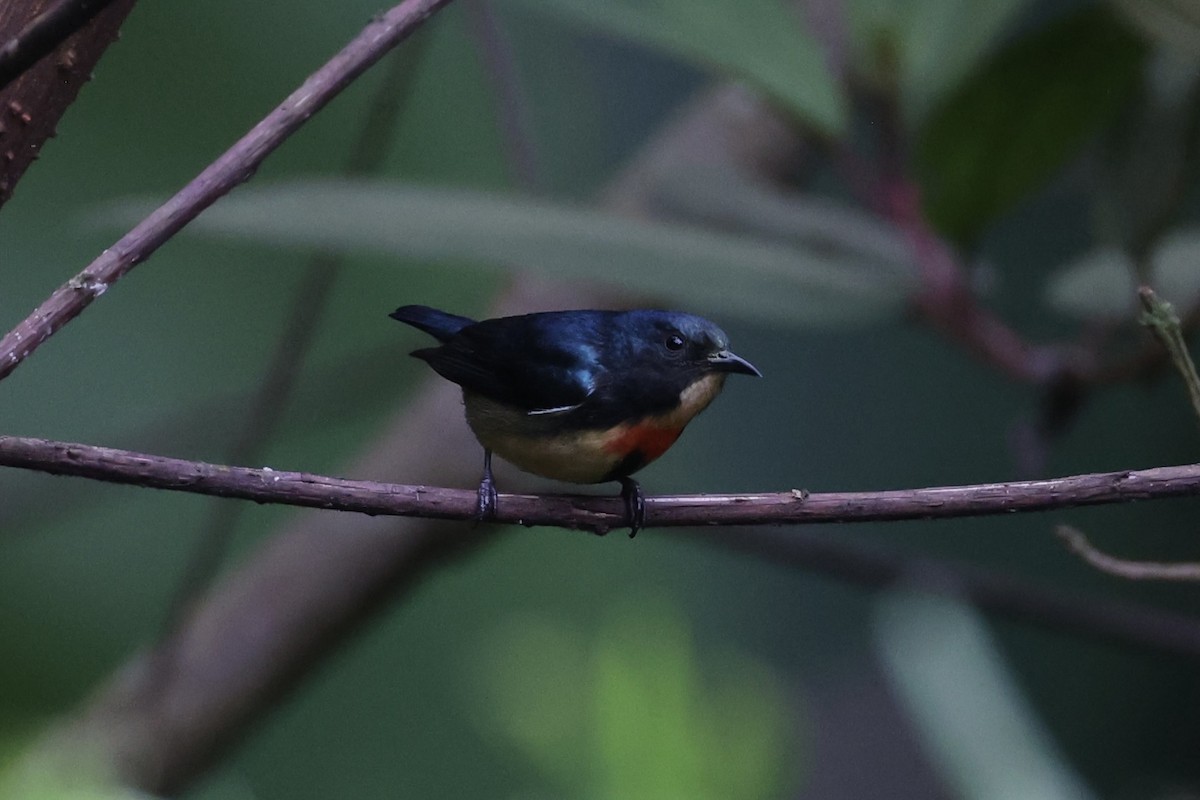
(674, 341)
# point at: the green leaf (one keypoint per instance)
(761, 41)
(728, 199)
(944, 40)
(690, 266)
(927, 46)
(949, 674)
(635, 709)
(1102, 284)
(1098, 284)
(1029, 109)
(1172, 23)
(48, 769)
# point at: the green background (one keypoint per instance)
(676, 668)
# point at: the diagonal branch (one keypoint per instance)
(598, 514)
(237, 165)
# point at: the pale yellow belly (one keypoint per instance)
(587, 456)
(577, 457)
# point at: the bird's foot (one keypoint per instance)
(485, 508)
(635, 505)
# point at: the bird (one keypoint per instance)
(583, 396)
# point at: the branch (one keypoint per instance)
(1078, 544)
(237, 165)
(1100, 619)
(32, 105)
(44, 33)
(598, 514)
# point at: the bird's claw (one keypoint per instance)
(485, 508)
(635, 505)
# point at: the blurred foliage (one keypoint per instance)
(1022, 115)
(787, 285)
(923, 49)
(625, 713)
(526, 670)
(1102, 284)
(762, 41)
(35, 772)
(1174, 23)
(966, 705)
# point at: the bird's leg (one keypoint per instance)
(635, 504)
(486, 508)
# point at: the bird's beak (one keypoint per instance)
(725, 361)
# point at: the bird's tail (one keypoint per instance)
(437, 324)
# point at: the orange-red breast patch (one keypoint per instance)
(645, 437)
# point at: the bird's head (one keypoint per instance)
(681, 348)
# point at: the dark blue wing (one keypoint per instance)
(536, 362)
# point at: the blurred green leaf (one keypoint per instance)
(1098, 284)
(629, 712)
(965, 704)
(762, 41)
(943, 41)
(1028, 110)
(926, 46)
(1175, 268)
(67, 770)
(688, 265)
(1102, 283)
(728, 200)
(664, 731)
(533, 677)
(1173, 23)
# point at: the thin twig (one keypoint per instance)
(598, 514)
(45, 32)
(841, 559)
(1078, 544)
(234, 167)
(512, 106)
(1161, 318)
